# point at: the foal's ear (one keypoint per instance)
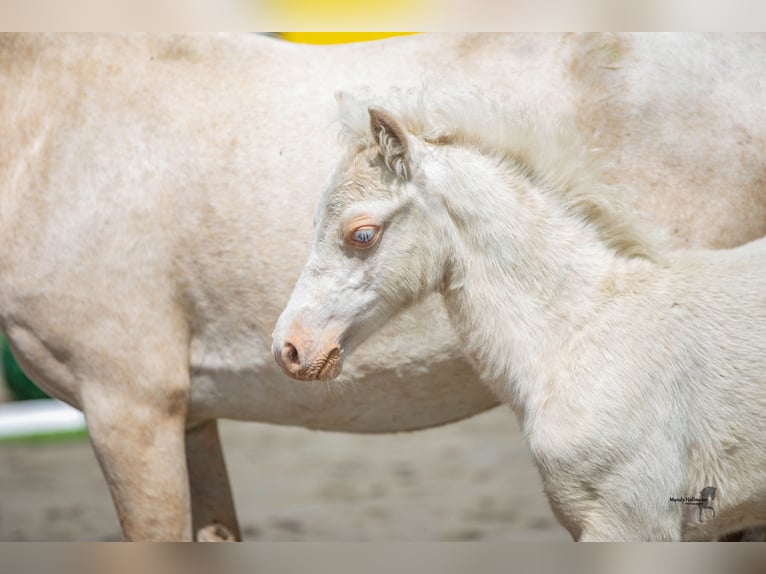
(392, 140)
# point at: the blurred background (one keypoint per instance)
(351, 15)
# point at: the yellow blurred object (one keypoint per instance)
(347, 16)
(338, 37)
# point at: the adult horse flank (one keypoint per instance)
(156, 205)
(637, 372)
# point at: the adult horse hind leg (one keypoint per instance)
(213, 515)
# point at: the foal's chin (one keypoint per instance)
(333, 365)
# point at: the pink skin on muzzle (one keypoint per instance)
(304, 358)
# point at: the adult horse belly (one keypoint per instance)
(387, 385)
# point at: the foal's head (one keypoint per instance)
(376, 249)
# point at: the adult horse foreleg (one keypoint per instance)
(137, 428)
(213, 516)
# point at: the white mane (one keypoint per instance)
(551, 155)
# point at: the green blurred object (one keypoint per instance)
(47, 438)
(19, 384)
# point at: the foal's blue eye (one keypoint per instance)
(364, 236)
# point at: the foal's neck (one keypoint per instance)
(532, 274)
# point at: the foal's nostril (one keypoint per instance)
(290, 355)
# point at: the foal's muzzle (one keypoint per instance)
(322, 366)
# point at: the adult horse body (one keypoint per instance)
(636, 371)
(156, 200)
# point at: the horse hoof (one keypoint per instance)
(215, 533)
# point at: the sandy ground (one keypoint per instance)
(466, 481)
